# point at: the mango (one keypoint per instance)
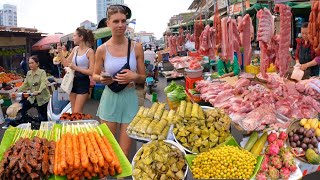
(307, 126)
(318, 132)
(303, 121)
(314, 123)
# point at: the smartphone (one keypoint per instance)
(105, 75)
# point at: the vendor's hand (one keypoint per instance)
(303, 67)
(127, 76)
(72, 66)
(106, 80)
(35, 93)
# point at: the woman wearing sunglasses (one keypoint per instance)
(123, 63)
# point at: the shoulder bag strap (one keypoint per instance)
(128, 55)
(75, 59)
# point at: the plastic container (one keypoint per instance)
(97, 91)
(252, 69)
(190, 82)
(194, 73)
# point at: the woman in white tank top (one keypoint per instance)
(119, 108)
(81, 60)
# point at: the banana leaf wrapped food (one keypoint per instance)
(140, 112)
(164, 133)
(145, 112)
(135, 120)
(188, 110)
(151, 126)
(159, 160)
(159, 111)
(153, 110)
(142, 127)
(165, 114)
(160, 126)
(182, 108)
(195, 111)
(201, 113)
(171, 116)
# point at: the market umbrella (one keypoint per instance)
(44, 43)
(102, 33)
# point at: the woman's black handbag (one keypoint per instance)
(115, 86)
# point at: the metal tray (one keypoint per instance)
(91, 122)
(174, 145)
(50, 125)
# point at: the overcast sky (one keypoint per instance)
(50, 16)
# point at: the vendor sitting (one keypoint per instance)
(305, 54)
(227, 67)
(36, 82)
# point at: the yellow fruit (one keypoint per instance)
(303, 121)
(318, 132)
(307, 126)
(309, 121)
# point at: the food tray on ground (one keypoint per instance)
(232, 142)
(296, 125)
(91, 122)
(174, 145)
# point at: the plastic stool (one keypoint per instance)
(190, 82)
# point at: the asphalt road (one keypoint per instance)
(92, 105)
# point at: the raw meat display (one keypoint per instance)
(284, 58)
(224, 39)
(236, 40)
(246, 99)
(205, 38)
(265, 31)
(217, 26)
(194, 65)
(314, 25)
(198, 28)
(245, 27)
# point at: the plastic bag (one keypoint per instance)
(190, 46)
(67, 81)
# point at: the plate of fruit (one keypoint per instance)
(304, 138)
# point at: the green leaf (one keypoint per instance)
(124, 162)
(7, 140)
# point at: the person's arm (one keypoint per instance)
(314, 62)
(297, 53)
(88, 71)
(220, 67)
(43, 81)
(236, 68)
(68, 60)
(99, 63)
(24, 85)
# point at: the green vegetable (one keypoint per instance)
(312, 156)
(193, 91)
(253, 138)
(170, 88)
(215, 75)
(258, 146)
(177, 94)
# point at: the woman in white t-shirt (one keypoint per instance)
(151, 57)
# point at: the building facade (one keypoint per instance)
(102, 6)
(8, 15)
(88, 25)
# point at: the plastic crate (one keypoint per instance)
(190, 82)
(97, 91)
(252, 69)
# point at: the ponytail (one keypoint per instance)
(87, 35)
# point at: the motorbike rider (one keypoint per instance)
(35, 81)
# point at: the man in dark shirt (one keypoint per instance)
(306, 53)
(24, 66)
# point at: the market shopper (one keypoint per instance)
(35, 81)
(151, 57)
(227, 67)
(81, 60)
(119, 108)
(305, 53)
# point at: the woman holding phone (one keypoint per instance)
(119, 108)
(81, 60)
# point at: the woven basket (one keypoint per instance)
(295, 125)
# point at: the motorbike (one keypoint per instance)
(56, 106)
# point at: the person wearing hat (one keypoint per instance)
(119, 108)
